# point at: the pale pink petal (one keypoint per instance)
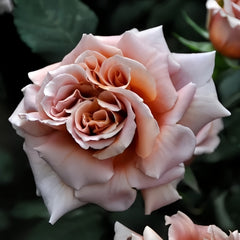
(38, 76)
(149, 234)
(124, 138)
(156, 63)
(185, 96)
(205, 107)
(58, 196)
(137, 179)
(114, 195)
(195, 67)
(157, 197)
(30, 92)
(236, 10)
(22, 125)
(71, 163)
(110, 40)
(175, 144)
(144, 120)
(124, 233)
(235, 235)
(215, 232)
(90, 42)
(207, 138)
(154, 37)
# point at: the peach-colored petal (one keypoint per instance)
(124, 138)
(163, 158)
(196, 68)
(157, 197)
(57, 196)
(114, 195)
(90, 42)
(150, 58)
(141, 80)
(144, 120)
(38, 76)
(71, 163)
(124, 233)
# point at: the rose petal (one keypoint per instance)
(20, 122)
(141, 80)
(163, 158)
(57, 196)
(205, 107)
(114, 195)
(73, 164)
(90, 42)
(38, 76)
(150, 58)
(144, 120)
(124, 233)
(207, 138)
(160, 196)
(154, 37)
(124, 138)
(185, 96)
(149, 234)
(195, 67)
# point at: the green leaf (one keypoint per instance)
(229, 87)
(88, 224)
(195, 26)
(222, 215)
(195, 46)
(29, 210)
(6, 167)
(53, 28)
(190, 180)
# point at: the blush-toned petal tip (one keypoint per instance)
(149, 234)
(124, 233)
(160, 196)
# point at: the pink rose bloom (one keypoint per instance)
(224, 26)
(116, 115)
(181, 228)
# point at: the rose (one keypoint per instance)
(224, 26)
(117, 114)
(181, 227)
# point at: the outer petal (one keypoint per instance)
(185, 96)
(154, 37)
(38, 76)
(124, 233)
(195, 67)
(90, 42)
(174, 145)
(160, 196)
(58, 197)
(207, 138)
(73, 164)
(149, 234)
(114, 195)
(205, 107)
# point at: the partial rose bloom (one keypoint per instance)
(224, 26)
(181, 227)
(116, 115)
(6, 6)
